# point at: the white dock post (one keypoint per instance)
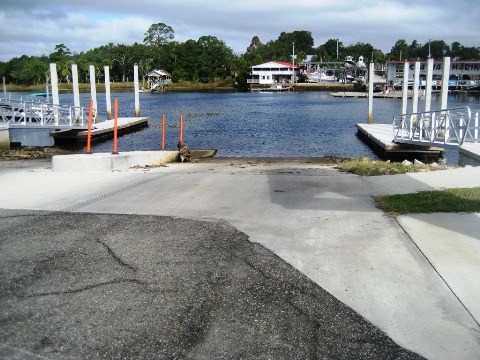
(137, 96)
(76, 91)
(416, 79)
(406, 68)
(370, 92)
(428, 85)
(445, 78)
(46, 88)
(55, 98)
(4, 88)
(93, 91)
(107, 93)
(443, 105)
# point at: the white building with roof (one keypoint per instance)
(274, 72)
(158, 79)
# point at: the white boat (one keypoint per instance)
(360, 63)
(349, 62)
(321, 76)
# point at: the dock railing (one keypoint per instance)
(446, 128)
(40, 114)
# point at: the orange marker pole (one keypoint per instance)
(89, 133)
(181, 128)
(115, 123)
(163, 132)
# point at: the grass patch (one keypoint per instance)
(446, 201)
(369, 167)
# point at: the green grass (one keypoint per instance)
(368, 167)
(445, 201)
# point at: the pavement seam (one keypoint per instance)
(95, 199)
(85, 288)
(438, 273)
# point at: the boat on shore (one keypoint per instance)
(349, 62)
(320, 75)
(273, 88)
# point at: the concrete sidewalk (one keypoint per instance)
(396, 273)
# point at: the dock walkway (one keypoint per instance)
(380, 138)
(102, 129)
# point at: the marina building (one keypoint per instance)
(274, 72)
(464, 74)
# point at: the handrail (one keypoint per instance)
(28, 113)
(445, 127)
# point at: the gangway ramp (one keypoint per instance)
(456, 128)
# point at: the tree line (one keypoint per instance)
(209, 59)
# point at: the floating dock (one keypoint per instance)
(379, 137)
(357, 94)
(100, 131)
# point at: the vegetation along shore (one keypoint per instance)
(207, 60)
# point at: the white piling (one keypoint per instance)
(76, 91)
(406, 68)
(107, 93)
(93, 91)
(428, 85)
(445, 78)
(55, 98)
(370, 92)
(4, 88)
(416, 79)
(137, 96)
(46, 88)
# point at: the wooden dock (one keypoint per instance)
(379, 137)
(101, 130)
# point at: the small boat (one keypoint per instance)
(321, 76)
(273, 88)
(349, 62)
(360, 63)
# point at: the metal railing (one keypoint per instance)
(447, 127)
(19, 113)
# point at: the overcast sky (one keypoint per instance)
(34, 27)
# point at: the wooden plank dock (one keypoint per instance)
(379, 137)
(101, 130)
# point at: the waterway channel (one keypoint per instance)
(238, 124)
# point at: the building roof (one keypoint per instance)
(275, 64)
(158, 73)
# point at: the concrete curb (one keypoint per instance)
(111, 162)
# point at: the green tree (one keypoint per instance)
(30, 70)
(457, 51)
(414, 50)
(253, 54)
(123, 58)
(399, 50)
(158, 34)
(328, 51)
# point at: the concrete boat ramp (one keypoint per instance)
(230, 258)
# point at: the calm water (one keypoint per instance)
(257, 124)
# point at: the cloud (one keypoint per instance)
(35, 27)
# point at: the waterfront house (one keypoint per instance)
(274, 72)
(157, 79)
